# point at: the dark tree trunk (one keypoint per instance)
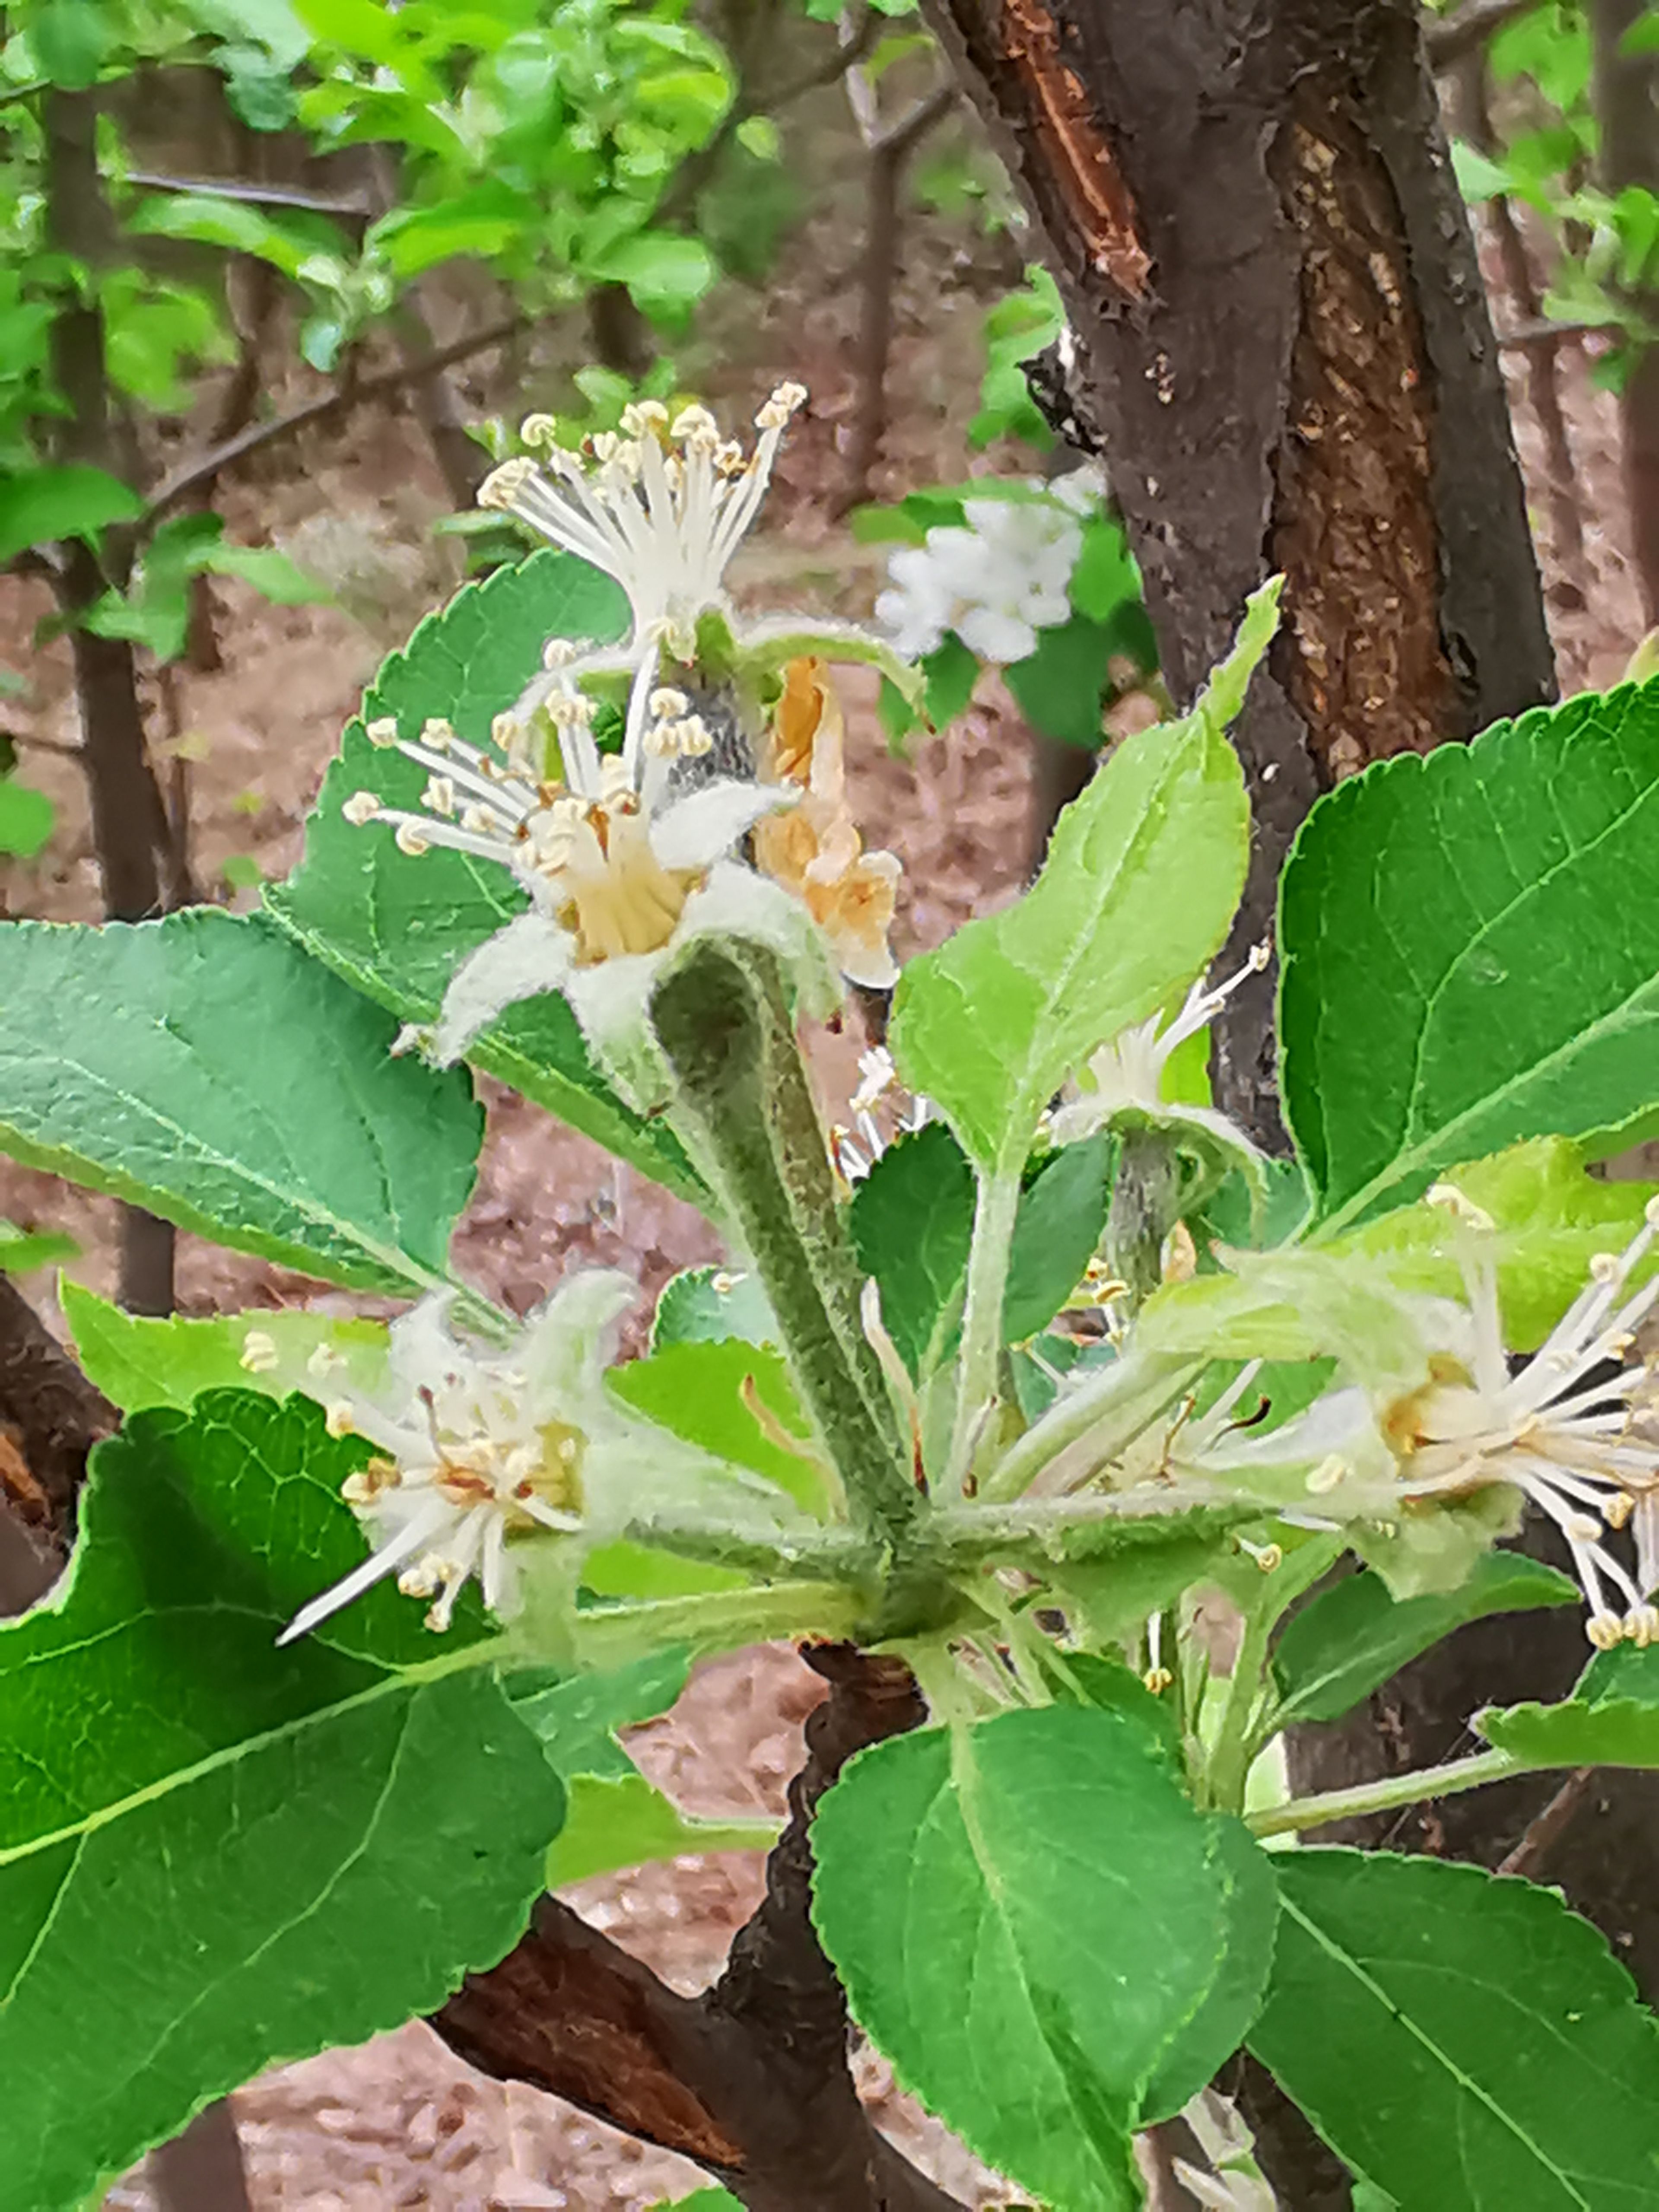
(1249, 208)
(1250, 211)
(130, 830)
(1626, 87)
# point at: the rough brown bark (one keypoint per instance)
(1252, 218)
(1626, 86)
(750, 2080)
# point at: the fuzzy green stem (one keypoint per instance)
(721, 1017)
(1384, 1797)
(994, 1215)
(718, 1620)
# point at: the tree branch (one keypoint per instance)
(749, 2080)
(1448, 38)
(208, 466)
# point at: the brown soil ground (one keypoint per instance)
(400, 2123)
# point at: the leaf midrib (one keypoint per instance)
(391, 1683)
(1374, 1991)
(391, 1257)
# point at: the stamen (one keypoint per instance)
(382, 731)
(361, 808)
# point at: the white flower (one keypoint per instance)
(879, 1084)
(1562, 1430)
(618, 866)
(662, 507)
(479, 1448)
(996, 578)
(1127, 1075)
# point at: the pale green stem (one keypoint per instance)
(1119, 1400)
(994, 1216)
(1228, 1763)
(1396, 1789)
(718, 1620)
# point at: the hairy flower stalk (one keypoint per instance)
(477, 1451)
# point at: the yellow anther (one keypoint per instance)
(361, 808)
(259, 1352)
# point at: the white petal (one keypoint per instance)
(704, 826)
(996, 636)
(422, 1345)
(531, 955)
(386, 1561)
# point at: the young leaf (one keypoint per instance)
(1550, 1219)
(1352, 1638)
(37, 505)
(1611, 1732)
(396, 928)
(26, 818)
(1061, 1215)
(1141, 883)
(912, 1222)
(23, 1250)
(215, 1854)
(627, 1822)
(734, 1399)
(577, 1718)
(137, 1361)
(204, 1068)
(707, 1305)
(1045, 1936)
(1464, 2042)
(1450, 981)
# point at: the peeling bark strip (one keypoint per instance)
(751, 2079)
(1307, 378)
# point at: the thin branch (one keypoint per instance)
(212, 464)
(751, 2079)
(1545, 333)
(694, 172)
(1546, 1830)
(228, 188)
(1415, 1788)
(1448, 38)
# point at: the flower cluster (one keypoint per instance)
(476, 1450)
(1576, 1430)
(624, 855)
(995, 579)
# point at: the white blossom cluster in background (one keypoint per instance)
(996, 578)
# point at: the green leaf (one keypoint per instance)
(1142, 877)
(628, 1823)
(700, 1391)
(271, 573)
(69, 39)
(204, 1068)
(39, 505)
(1060, 688)
(138, 1361)
(1464, 2043)
(912, 1222)
(1470, 947)
(1061, 1216)
(1611, 1732)
(707, 1305)
(395, 928)
(1550, 1219)
(662, 269)
(702, 2200)
(215, 1854)
(1043, 1934)
(1352, 1638)
(576, 1719)
(26, 818)
(233, 224)
(21, 1250)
